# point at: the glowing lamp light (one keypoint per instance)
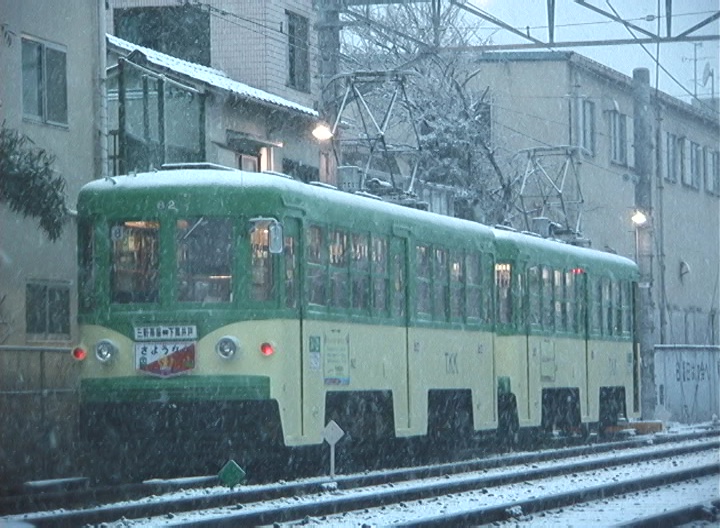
(266, 349)
(639, 218)
(578, 271)
(322, 132)
(79, 353)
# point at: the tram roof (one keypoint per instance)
(223, 189)
(274, 192)
(530, 248)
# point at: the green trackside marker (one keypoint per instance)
(231, 474)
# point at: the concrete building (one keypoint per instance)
(51, 90)
(546, 104)
(174, 111)
(249, 103)
(253, 70)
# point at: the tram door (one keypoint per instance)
(582, 320)
(290, 282)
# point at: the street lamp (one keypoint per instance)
(639, 218)
(322, 132)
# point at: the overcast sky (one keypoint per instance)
(574, 22)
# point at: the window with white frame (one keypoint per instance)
(588, 126)
(47, 310)
(697, 165)
(248, 162)
(672, 158)
(712, 176)
(44, 81)
(298, 55)
(683, 165)
(618, 138)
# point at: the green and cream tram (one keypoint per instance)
(225, 313)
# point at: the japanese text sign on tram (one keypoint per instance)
(163, 332)
(165, 350)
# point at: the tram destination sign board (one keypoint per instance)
(165, 332)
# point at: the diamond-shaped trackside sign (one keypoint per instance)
(231, 474)
(332, 433)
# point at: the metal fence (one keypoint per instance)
(38, 414)
(687, 379)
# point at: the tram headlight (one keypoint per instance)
(105, 350)
(227, 347)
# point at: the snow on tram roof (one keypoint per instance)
(208, 175)
(556, 246)
(189, 176)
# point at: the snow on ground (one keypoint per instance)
(623, 509)
(602, 513)
(598, 515)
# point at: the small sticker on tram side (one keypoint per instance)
(336, 351)
(314, 353)
(165, 359)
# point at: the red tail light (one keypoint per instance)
(79, 353)
(267, 349)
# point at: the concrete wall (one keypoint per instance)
(37, 429)
(688, 383)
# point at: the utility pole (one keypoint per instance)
(329, 46)
(695, 80)
(644, 238)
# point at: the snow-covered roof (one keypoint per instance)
(209, 76)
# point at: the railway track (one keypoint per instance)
(375, 494)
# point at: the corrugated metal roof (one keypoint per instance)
(209, 76)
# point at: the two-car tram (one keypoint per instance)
(230, 314)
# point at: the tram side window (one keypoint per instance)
(570, 305)
(596, 307)
(534, 298)
(457, 282)
(576, 304)
(627, 309)
(424, 270)
(617, 329)
(607, 314)
(519, 296)
(380, 279)
(548, 309)
(398, 299)
(204, 259)
(560, 309)
(339, 289)
(317, 261)
(134, 262)
(503, 282)
(474, 286)
(440, 285)
(291, 270)
(487, 269)
(360, 271)
(88, 265)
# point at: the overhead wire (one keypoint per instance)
(654, 59)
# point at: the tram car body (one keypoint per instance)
(226, 314)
